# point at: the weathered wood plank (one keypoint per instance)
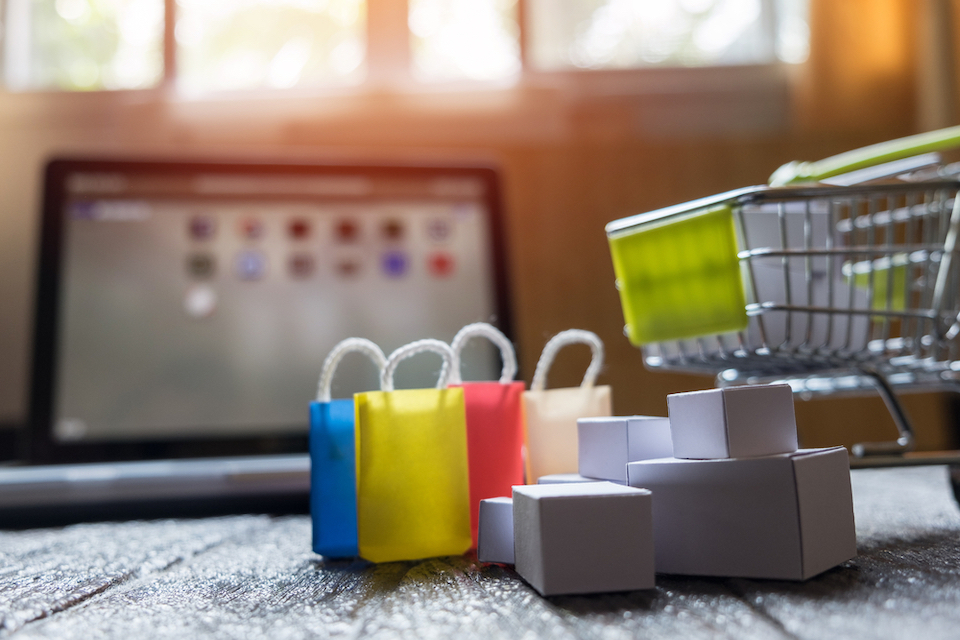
(43, 572)
(267, 583)
(252, 576)
(905, 581)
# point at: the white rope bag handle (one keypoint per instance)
(412, 349)
(494, 335)
(342, 348)
(561, 340)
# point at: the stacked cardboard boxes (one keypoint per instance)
(739, 499)
(719, 489)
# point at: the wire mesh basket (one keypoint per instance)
(842, 287)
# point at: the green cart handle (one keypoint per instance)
(797, 171)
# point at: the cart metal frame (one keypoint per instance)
(850, 289)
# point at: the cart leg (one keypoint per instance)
(905, 441)
(955, 481)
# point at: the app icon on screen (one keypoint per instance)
(438, 229)
(251, 265)
(83, 211)
(347, 231)
(348, 268)
(201, 266)
(392, 230)
(301, 265)
(252, 228)
(202, 227)
(441, 264)
(299, 228)
(67, 429)
(395, 263)
(200, 301)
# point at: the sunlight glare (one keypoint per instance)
(281, 44)
(73, 11)
(287, 66)
(464, 39)
(621, 34)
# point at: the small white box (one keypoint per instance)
(495, 535)
(786, 517)
(736, 422)
(565, 478)
(606, 445)
(583, 538)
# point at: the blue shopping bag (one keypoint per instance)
(333, 474)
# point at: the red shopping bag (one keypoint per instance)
(494, 422)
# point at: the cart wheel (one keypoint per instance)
(955, 481)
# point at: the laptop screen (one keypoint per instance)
(199, 301)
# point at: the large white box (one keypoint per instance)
(606, 445)
(495, 531)
(785, 517)
(566, 478)
(583, 538)
(734, 422)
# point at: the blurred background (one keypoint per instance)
(593, 110)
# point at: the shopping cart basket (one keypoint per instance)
(841, 276)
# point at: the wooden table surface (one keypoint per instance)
(253, 576)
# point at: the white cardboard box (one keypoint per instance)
(785, 517)
(735, 422)
(565, 478)
(495, 535)
(583, 538)
(606, 445)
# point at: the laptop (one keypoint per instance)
(184, 310)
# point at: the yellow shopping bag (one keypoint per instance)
(413, 497)
(551, 414)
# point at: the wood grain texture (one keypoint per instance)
(253, 576)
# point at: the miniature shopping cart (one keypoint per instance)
(841, 276)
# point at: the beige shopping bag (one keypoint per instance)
(551, 414)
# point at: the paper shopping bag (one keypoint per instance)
(494, 423)
(551, 414)
(412, 475)
(333, 478)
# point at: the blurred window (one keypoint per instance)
(619, 34)
(219, 45)
(83, 44)
(254, 44)
(464, 39)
